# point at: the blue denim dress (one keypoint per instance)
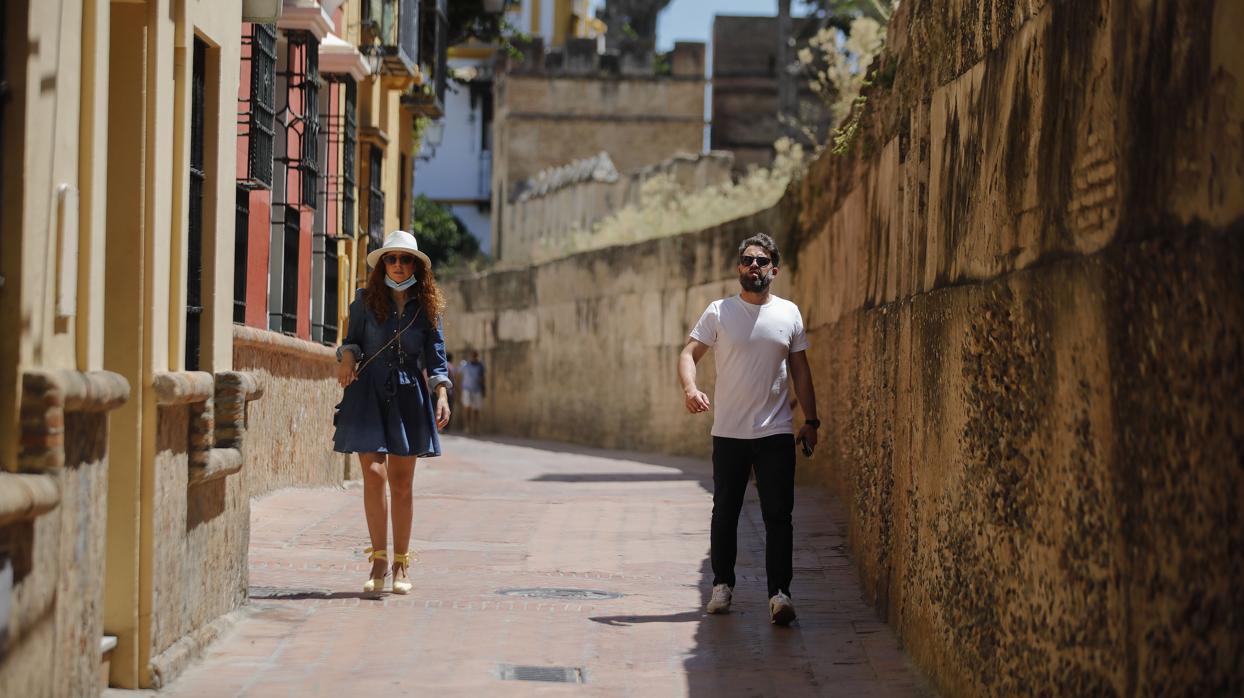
(389, 408)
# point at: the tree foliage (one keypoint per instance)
(468, 21)
(840, 12)
(441, 236)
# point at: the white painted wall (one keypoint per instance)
(459, 170)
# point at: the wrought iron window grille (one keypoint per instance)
(341, 129)
(375, 200)
(198, 176)
(301, 116)
(391, 35)
(331, 279)
(289, 271)
(257, 112)
(241, 245)
(434, 45)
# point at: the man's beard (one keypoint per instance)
(756, 285)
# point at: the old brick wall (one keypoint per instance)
(562, 201)
(550, 117)
(1025, 290)
(201, 536)
(584, 349)
(289, 433)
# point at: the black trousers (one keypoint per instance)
(773, 458)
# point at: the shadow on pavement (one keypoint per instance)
(282, 594)
(623, 621)
(612, 477)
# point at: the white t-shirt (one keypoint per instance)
(751, 344)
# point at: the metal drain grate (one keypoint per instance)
(554, 674)
(563, 594)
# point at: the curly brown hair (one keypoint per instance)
(377, 296)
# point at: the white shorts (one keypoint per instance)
(473, 399)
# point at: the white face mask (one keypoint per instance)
(400, 286)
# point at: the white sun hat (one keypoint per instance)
(397, 241)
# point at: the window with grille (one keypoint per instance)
(434, 45)
(194, 241)
(258, 110)
(241, 239)
(375, 200)
(289, 272)
(330, 291)
(342, 138)
(347, 160)
(403, 185)
(301, 116)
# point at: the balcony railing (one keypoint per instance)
(434, 46)
(391, 28)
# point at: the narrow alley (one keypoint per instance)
(541, 562)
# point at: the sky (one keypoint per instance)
(692, 20)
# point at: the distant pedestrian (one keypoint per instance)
(474, 389)
(756, 338)
(388, 412)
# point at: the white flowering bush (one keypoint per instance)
(836, 65)
(665, 209)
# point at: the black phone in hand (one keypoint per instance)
(803, 444)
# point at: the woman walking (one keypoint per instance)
(389, 414)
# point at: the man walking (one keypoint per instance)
(756, 337)
(471, 374)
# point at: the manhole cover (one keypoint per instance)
(553, 593)
(287, 593)
(556, 674)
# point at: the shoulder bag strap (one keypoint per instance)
(395, 337)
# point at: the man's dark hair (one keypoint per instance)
(762, 240)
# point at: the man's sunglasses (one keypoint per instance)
(762, 262)
(403, 258)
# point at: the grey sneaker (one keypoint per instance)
(722, 596)
(781, 610)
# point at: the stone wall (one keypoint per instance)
(745, 88)
(584, 349)
(201, 533)
(1025, 291)
(573, 197)
(52, 525)
(289, 433)
(547, 116)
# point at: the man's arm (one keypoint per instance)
(696, 400)
(801, 376)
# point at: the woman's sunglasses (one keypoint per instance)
(746, 260)
(403, 258)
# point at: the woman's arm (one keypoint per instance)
(438, 372)
(351, 345)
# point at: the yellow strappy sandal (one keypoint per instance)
(375, 585)
(402, 586)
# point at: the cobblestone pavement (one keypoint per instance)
(494, 518)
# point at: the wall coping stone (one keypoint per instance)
(182, 387)
(283, 344)
(26, 496)
(47, 394)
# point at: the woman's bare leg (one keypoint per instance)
(401, 479)
(375, 507)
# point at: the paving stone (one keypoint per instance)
(495, 515)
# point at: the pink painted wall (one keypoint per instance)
(257, 258)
